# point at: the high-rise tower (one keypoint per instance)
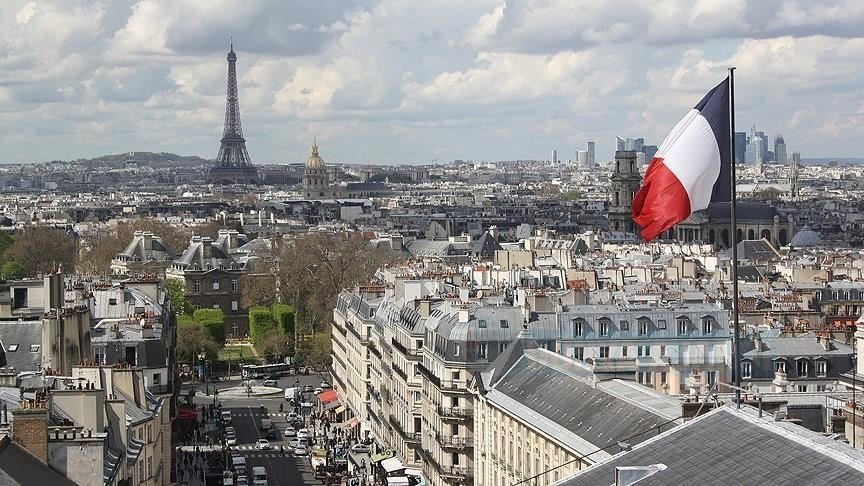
(233, 163)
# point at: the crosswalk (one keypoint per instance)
(258, 414)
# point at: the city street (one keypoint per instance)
(246, 416)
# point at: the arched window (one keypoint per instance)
(711, 236)
(784, 239)
(751, 235)
(766, 234)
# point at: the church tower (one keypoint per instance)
(623, 184)
(316, 184)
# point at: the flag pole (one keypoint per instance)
(736, 364)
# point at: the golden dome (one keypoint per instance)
(315, 162)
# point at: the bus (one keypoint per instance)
(260, 371)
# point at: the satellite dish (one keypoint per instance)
(479, 294)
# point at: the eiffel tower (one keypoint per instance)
(233, 163)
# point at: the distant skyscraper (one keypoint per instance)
(650, 152)
(583, 158)
(754, 151)
(619, 143)
(591, 154)
(793, 174)
(639, 144)
(554, 157)
(780, 149)
(763, 146)
(740, 147)
(640, 159)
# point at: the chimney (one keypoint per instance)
(493, 231)
(424, 307)
(30, 429)
(825, 341)
(757, 341)
(397, 242)
(207, 246)
(148, 240)
(233, 239)
(464, 313)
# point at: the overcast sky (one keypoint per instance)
(417, 81)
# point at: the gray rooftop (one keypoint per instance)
(729, 447)
(21, 343)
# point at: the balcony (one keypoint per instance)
(410, 437)
(455, 413)
(696, 360)
(613, 365)
(455, 443)
(410, 353)
(461, 474)
(429, 376)
(399, 372)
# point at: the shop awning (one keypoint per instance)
(354, 422)
(327, 396)
(392, 464)
(380, 457)
(332, 405)
(339, 409)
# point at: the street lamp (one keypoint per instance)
(201, 357)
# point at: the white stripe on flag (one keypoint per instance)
(690, 151)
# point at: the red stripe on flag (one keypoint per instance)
(661, 203)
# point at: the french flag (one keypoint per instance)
(692, 167)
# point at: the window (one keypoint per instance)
(215, 284)
(34, 348)
(643, 327)
(504, 324)
(481, 323)
(624, 351)
(604, 351)
(707, 325)
(643, 350)
(481, 351)
(196, 285)
(234, 306)
(682, 326)
(577, 327)
(456, 348)
(112, 301)
(604, 328)
(746, 369)
(661, 324)
(663, 350)
(711, 377)
(624, 325)
(803, 367)
(502, 347)
(663, 377)
(643, 377)
(780, 366)
(802, 388)
(149, 467)
(235, 285)
(821, 388)
(12, 348)
(579, 353)
(99, 355)
(821, 368)
(157, 378)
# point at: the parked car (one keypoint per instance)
(292, 415)
(291, 371)
(290, 432)
(301, 451)
(241, 481)
(303, 434)
(302, 370)
(269, 383)
(360, 448)
(307, 389)
(318, 391)
(262, 445)
(325, 385)
(231, 440)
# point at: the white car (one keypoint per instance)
(231, 440)
(301, 451)
(360, 448)
(303, 434)
(318, 391)
(290, 432)
(269, 383)
(262, 445)
(325, 385)
(292, 415)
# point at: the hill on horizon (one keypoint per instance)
(149, 159)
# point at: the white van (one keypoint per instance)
(226, 416)
(259, 476)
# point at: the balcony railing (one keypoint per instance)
(456, 413)
(695, 360)
(160, 389)
(455, 442)
(399, 372)
(411, 353)
(429, 375)
(413, 437)
(460, 473)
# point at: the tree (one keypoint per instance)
(103, 249)
(193, 339)
(261, 322)
(284, 315)
(213, 321)
(273, 344)
(258, 290)
(177, 293)
(315, 351)
(42, 249)
(12, 270)
(314, 268)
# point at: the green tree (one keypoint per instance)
(273, 345)
(5, 242)
(193, 339)
(12, 270)
(42, 249)
(314, 351)
(261, 321)
(213, 321)
(284, 315)
(177, 293)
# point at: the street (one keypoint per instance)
(246, 416)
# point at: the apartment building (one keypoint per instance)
(540, 416)
(660, 346)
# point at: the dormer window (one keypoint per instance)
(707, 325)
(504, 324)
(644, 326)
(112, 301)
(746, 369)
(780, 366)
(604, 328)
(821, 368)
(803, 367)
(682, 325)
(578, 327)
(481, 323)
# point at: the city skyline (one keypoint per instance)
(384, 82)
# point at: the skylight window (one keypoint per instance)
(13, 348)
(34, 348)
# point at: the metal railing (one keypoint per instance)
(455, 412)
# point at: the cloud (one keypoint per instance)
(389, 80)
